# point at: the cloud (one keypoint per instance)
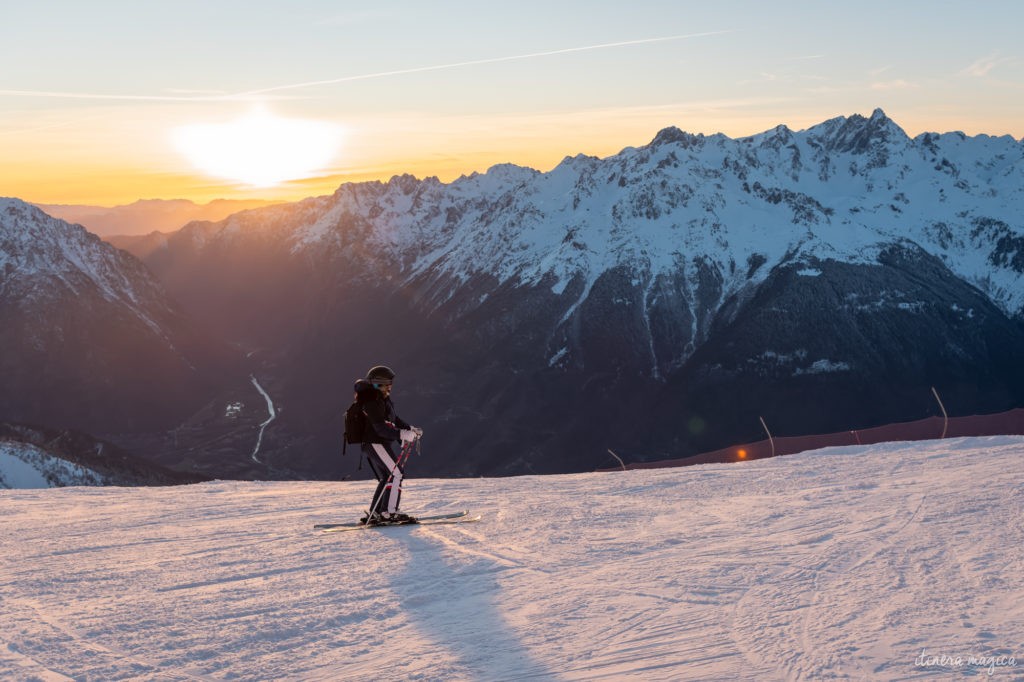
(982, 67)
(761, 78)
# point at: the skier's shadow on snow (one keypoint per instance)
(454, 604)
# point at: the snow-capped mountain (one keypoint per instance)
(844, 190)
(657, 301)
(29, 466)
(90, 340)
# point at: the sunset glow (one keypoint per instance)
(260, 150)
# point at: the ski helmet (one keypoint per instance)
(380, 375)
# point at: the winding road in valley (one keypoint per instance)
(272, 416)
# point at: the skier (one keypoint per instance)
(383, 428)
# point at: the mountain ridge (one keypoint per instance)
(40, 457)
(608, 276)
(147, 215)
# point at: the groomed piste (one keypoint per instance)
(892, 561)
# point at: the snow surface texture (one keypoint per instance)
(868, 562)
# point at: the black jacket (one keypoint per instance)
(382, 423)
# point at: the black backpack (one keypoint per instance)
(355, 424)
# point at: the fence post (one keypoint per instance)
(945, 423)
(621, 463)
(771, 440)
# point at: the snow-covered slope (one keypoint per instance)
(863, 563)
(27, 466)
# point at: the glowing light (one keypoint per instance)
(742, 454)
(260, 149)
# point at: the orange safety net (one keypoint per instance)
(1010, 422)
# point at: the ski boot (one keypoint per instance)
(397, 518)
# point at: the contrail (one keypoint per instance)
(474, 62)
(348, 79)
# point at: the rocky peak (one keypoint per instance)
(405, 183)
(34, 239)
(673, 135)
(859, 135)
(19, 219)
(778, 137)
(510, 172)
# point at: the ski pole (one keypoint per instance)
(402, 457)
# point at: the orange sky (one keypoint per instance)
(145, 165)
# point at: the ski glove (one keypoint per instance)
(408, 435)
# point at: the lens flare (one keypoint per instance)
(260, 149)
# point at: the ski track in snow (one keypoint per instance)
(846, 563)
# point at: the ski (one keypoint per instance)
(452, 515)
(335, 528)
(455, 517)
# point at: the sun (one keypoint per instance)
(260, 149)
